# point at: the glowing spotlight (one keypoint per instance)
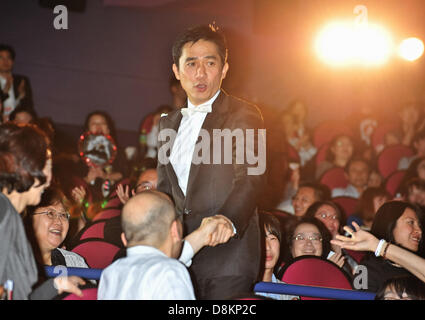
(411, 49)
(342, 43)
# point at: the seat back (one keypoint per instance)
(348, 204)
(356, 255)
(107, 214)
(389, 158)
(315, 271)
(98, 254)
(94, 230)
(88, 294)
(334, 178)
(378, 135)
(113, 203)
(393, 181)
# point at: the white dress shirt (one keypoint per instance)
(349, 191)
(146, 273)
(184, 145)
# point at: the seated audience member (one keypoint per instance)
(399, 223)
(415, 170)
(305, 196)
(357, 171)
(15, 89)
(369, 203)
(416, 192)
(297, 133)
(410, 115)
(419, 145)
(23, 115)
(375, 179)
(99, 122)
(152, 233)
(340, 152)
(309, 237)
(25, 172)
(402, 288)
(271, 230)
(334, 220)
(147, 180)
(148, 133)
(361, 240)
(47, 226)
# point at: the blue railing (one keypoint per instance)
(315, 292)
(269, 287)
(91, 274)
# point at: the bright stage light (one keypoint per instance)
(411, 49)
(342, 43)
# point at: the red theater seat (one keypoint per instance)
(315, 271)
(389, 158)
(98, 254)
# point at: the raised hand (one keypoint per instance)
(360, 240)
(338, 259)
(78, 194)
(69, 284)
(21, 89)
(123, 194)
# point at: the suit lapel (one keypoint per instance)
(172, 121)
(213, 120)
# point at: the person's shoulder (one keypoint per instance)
(73, 259)
(240, 103)
(4, 205)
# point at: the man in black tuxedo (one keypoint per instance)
(213, 185)
(14, 89)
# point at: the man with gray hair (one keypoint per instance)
(152, 233)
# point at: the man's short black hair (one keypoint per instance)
(356, 159)
(194, 34)
(5, 47)
(321, 191)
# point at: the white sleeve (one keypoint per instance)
(187, 254)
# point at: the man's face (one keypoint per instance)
(304, 198)
(200, 71)
(6, 61)
(358, 174)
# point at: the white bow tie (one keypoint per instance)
(205, 108)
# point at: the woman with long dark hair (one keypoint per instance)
(399, 223)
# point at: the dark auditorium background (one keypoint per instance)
(116, 56)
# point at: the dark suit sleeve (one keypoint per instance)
(27, 101)
(242, 201)
(163, 184)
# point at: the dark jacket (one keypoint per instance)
(224, 189)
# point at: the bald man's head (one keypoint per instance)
(147, 217)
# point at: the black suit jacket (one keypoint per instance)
(224, 189)
(27, 101)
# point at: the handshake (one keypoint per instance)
(213, 231)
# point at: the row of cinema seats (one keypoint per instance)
(310, 277)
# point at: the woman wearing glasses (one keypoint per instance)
(332, 217)
(25, 172)
(307, 237)
(47, 226)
